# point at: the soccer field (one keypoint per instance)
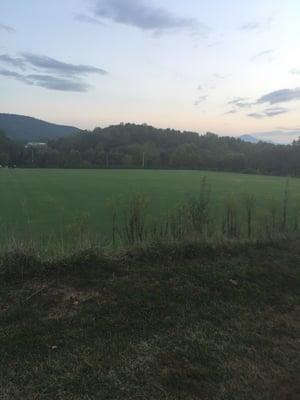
(40, 204)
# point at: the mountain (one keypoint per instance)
(253, 139)
(249, 138)
(283, 136)
(28, 129)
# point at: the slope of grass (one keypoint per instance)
(172, 322)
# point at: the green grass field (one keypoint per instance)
(49, 203)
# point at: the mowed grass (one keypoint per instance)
(37, 204)
(221, 325)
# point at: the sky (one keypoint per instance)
(226, 66)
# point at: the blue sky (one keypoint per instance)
(227, 66)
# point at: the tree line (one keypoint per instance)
(143, 146)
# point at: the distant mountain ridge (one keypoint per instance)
(249, 138)
(253, 139)
(28, 129)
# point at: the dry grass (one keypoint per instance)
(221, 325)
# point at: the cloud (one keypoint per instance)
(208, 87)
(240, 102)
(52, 65)
(145, 16)
(269, 112)
(292, 129)
(263, 54)
(211, 83)
(28, 60)
(236, 100)
(7, 28)
(214, 44)
(200, 100)
(14, 61)
(57, 83)
(256, 115)
(273, 98)
(87, 19)
(250, 26)
(13, 74)
(295, 71)
(280, 96)
(274, 111)
(48, 73)
(231, 112)
(47, 81)
(255, 26)
(219, 76)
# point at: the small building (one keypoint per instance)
(35, 144)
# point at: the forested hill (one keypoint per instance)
(28, 129)
(127, 145)
(138, 146)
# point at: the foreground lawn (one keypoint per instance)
(222, 325)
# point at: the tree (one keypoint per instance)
(125, 146)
